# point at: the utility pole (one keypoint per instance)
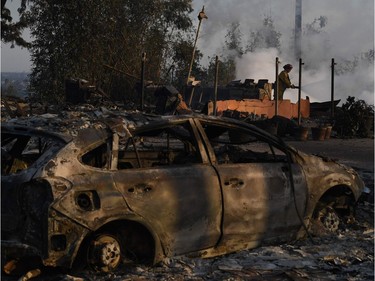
(143, 80)
(276, 86)
(299, 89)
(216, 82)
(201, 16)
(298, 29)
(333, 88)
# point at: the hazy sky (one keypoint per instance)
(15, 59)
(348, 33)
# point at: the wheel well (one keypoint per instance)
(339, 197)
(138, 244)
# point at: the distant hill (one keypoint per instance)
(14, 75)
(14, 84)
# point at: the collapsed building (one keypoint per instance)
(236, 99)
(243, 99)
(249, 101)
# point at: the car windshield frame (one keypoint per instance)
(23, 148)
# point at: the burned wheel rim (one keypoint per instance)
(330, 219)
(104, 253)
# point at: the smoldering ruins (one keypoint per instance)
(347, 253)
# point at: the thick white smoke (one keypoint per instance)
(348, 33)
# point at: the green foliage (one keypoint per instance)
(179, 61)
(227, 70)
(102, 41)
(11, 32)
(355, 119)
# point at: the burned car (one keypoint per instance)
(142, 188)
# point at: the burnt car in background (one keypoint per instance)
(143, 188)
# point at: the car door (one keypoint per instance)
(257, 193)
(166, 179)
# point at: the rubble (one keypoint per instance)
(30, 275)
(348, 255)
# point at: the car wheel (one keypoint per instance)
(329, 218)
(104, 253)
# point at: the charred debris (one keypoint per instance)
(85, 105)
(85, 101)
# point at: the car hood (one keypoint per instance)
(323, 172)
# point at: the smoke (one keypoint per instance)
(346, 32)
(257, 65)
(316, 84)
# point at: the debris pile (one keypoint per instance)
(347, 255)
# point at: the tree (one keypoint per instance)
(226, 73)
(9, 89)
(178, 62)
(350, 65)
(227, 65)
(11, 31)
(355, 118)
(316, 26)
(265, 37)
(103, 41)
(233, 39)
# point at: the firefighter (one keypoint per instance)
(284, 81)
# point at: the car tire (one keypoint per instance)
(329, 218)
(104, 253)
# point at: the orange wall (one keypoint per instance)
(263, 107)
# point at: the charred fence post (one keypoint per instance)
(333, 88)
(191, 95)
(216, 82)
(276, 85)
(299, 89)
(143, 80)
(201, 16)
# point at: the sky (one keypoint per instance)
(15, 59)
(349, 32)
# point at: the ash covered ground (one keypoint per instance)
(346, 255)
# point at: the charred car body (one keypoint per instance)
(145, 187)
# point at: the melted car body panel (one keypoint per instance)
(258, 202)
(322, 174)
(183, 203)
